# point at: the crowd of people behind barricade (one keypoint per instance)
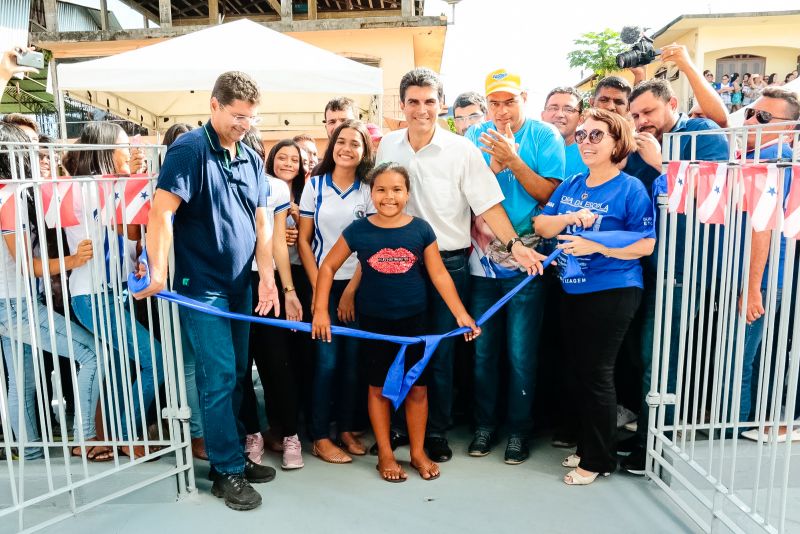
(737, 92)
(418, 231)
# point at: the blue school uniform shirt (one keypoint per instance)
(392, 267)
(574, 162)
(622, 203)
(215, 226)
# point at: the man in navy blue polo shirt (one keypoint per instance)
(653, 107)
(215, 188)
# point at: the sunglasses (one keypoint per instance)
(595, 136)
(763, 117)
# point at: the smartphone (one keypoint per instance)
(30, 58)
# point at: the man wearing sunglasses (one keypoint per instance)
(654, 111)
(527, 158)
(768, 115)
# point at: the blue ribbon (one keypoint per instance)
(398, 383)
(610, 239)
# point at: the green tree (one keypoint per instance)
(597, 51)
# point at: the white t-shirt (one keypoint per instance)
(277, 202)
(8, 280)
(448, 179)
(80, 278)
(333, 210)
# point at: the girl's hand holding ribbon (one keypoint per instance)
(467, 321)
(321, 326)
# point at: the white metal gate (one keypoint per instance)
(700, 367)
(138, 408)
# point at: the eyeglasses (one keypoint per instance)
(472, 117)
(243, 119)
(567, 110)
(763, 117)
(595, 136)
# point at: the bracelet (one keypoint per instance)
(511, 243)
(288, 289)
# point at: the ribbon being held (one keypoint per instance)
(398, 382)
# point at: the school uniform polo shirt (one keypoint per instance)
(333, 210)
(215, 226)
(449, 180)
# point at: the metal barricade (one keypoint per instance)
(706, 369)
(122, 359)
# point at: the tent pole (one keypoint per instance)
(59, 98)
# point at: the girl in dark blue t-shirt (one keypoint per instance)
(392, 248)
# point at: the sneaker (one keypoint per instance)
(396, 439)
(517, 450)
(624, 416)
(254, 473)
(634, 464)
(292, 458)
(254, 447)
(438, 449)
(481, 443)
(237, 492)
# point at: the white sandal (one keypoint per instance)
(573, 478)
(572, 461)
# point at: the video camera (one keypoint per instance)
(642, 51)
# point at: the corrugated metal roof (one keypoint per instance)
(14, 23)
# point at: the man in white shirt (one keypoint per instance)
(449, 181)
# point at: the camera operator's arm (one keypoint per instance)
(705, 95)
(639, 75)
(9, 67)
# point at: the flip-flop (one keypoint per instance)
(427, 470)
(106, 454)
(392, 480)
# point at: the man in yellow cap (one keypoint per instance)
(527, 159)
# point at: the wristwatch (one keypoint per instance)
(288, 289)
(510, 244)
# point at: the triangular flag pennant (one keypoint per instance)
(59, 204)
(677, 177)
(763, 200)
(135, 192)
(8, 207)
(712, 192)
(791, 225)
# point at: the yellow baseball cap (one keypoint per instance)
(502, 80)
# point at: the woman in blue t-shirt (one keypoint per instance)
(395, 251)
(598, 305)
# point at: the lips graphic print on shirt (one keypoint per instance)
(392, 260)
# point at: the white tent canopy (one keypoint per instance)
(174, 78)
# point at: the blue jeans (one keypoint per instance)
(514, 328)
(192, 396)
(84, 305)
(335, 373)
(440, 368)
(87, 381)
(219, 348)
(751, 360)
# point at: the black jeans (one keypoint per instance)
(278, 355)
(593, 328)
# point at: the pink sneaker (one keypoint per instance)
(254, 447)
(292, 458)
